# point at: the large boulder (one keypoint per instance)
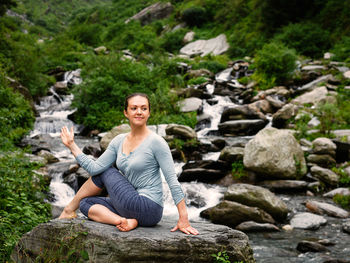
(232, 214)
(216, 46)
(313, 97)
(323, 145)
(88, 241)
(283, 115)
(156, 11)
(190, 104)
(257, 196)
(181, 131)
(106, 139)
(275, 153)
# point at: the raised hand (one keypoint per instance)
(67, 137)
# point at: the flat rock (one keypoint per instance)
(156, 11)
(190, 104)
(306, 246)
(251, 226)
(346, 226)
(325, 208)
(340, 191)
(241, 127)
(104, 243)
(284, 185)
(307, 221)
(216, 46)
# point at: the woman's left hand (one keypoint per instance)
(184, 226)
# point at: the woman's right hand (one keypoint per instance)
(67, 137)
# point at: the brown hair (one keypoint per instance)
(134, 95)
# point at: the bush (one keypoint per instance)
(194, 16)
(212, 66)
(22, 197)
(308, 39)
(341, 49)
(173, 41)
(274, 63)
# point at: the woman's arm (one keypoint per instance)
(183, 224)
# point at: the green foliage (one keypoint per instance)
(344, 179)
(343, 200)
(222, 257)
(341, 49)
(327, 114)
(274, 63)
(301, 126)
(238, 170)
(22, 196)
(16, 115)
(308, 39)
(197, 81)
(213, 66)
(194, 16)
(6, 4)
(173, 41)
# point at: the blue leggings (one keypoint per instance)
(123, 199)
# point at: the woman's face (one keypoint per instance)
(137, 111)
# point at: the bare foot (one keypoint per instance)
(66, 214)
(127, 224)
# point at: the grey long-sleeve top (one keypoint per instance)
(140, 167)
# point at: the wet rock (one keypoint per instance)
(280, 118)
(251, 226)
(61, 87)
(190, 104)
(257, 196)
(37, 143)
(325, 175)
(339, 191)
(207, 164)
(284, 185)
(201, 175)
(275, 102)
(36, 159)
(325, 208)
(241, 127)
(108, 137)
(181, 131)
(307, 221)
(232, 214)
(264, 154)
(49, 157)
(323, 160)
(194, 199)
(346, 226)
(156, 11)
(242, 112)
(104, 243)
(314, 84)
(310, 246)
(231, 154)
(324, 146)
(93, 149)
(262, 106)
(215, 46)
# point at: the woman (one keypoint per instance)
(135, 191)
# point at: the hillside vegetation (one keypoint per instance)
(38, 38)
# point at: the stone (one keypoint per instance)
(201, 175)
(189, 37)
(287, 228)
(224, 76)
(346, 226)
(100, 50)
(36, 159)
(323, 160)
(232, 214)
(310, 246)
(231, 154)
(181, 131)
(156, 11)
(284, 185)
(50, 158)
(314, 84)
(215, 46)
(241, 112)
(241, 127)
(195, 73)
(328, 55)
(307, 221)
(190, 104)
(263, 106)
(257, 196)
(274, 102)
(312, 97)
(264, 154)
(251, 226)
(325, 208)
(280, 118)
(93, 149)
(323, 145)
(325, 175)
(61, 87)
(347, 74)
(104, 243)
(313, 67)
(339, 191)
(109, 136)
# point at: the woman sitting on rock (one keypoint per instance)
(135, 195)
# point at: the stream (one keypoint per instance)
(267, 246)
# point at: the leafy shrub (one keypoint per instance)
(16, 115)
(238, 170)
(327, 114)
(343, 200)
(274, 63)
(197, 81)
(173, 41)
(194, 16)
(212, 66)
(308, 39)
(22, 196)
(341, 49)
